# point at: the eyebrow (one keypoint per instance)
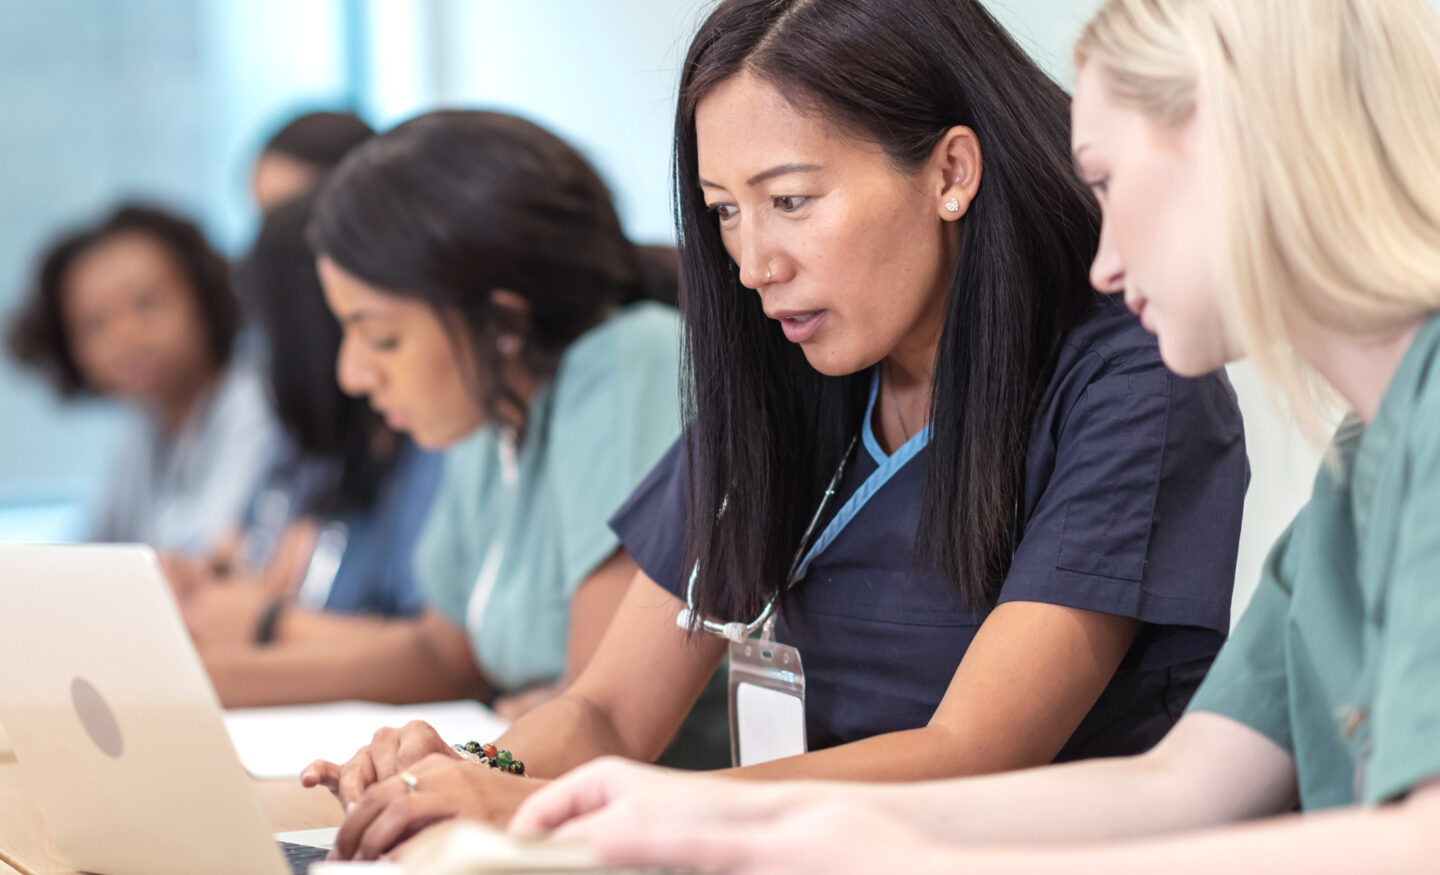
(778, 170)
(358, 316)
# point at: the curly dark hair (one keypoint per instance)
(38, 336)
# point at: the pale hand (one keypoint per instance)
(610, 792)
(834, 837)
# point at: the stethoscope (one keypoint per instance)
(737, 632)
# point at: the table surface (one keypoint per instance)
(25, 845)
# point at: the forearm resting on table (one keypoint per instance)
(298, 625)
(563, 733)
(1208, 771)
(611, 709)
(394, 662)
(924, 754)
(1029, 677)
(1394, 838)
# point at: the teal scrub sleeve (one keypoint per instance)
(1406, 707)
(617, 409)
(1248, 681)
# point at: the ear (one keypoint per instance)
(516, 305)
(955, 166)
(513, 324)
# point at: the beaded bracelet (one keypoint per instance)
(488, 755)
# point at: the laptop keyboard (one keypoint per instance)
(301, 856)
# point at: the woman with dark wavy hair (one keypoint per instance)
(138, 308)
(922, 451)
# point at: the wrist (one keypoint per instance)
(490, 755)
(268, 624)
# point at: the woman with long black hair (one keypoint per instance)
(957, 487)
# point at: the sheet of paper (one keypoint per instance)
(281, 742)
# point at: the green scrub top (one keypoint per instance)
(1337, 659)
(515, 530)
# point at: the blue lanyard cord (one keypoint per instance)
(834, 484)
(736, 631)
(888, 466)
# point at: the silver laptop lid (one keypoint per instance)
(114, 723)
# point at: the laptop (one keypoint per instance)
(116, 729)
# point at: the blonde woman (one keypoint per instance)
(1271, 187)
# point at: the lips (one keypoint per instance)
(1138, 307)
(393, 418)
(799, 325)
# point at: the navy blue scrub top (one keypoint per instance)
(1134, 483)
(376, 574)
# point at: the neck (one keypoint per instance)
(173, 410)
(523, 385)
(902, 407)
(1360, 369)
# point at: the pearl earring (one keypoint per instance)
(952, 205)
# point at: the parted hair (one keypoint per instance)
(768, 430)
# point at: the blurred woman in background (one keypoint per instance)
(298, 156)
(138, 308)
(335, 524)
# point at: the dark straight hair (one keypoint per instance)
(278, 284)
(768, 429)
(453, 205)
(321, 139)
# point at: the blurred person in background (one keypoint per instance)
(138, 308)
(334, 526)
(298, 156)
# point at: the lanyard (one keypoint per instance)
(887, 468)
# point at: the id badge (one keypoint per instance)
(767, 700)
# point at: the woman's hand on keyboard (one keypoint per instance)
(390, 752)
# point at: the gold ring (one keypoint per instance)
(412, 783)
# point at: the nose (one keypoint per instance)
(757, 259)
(355, 376)
(1107, 271)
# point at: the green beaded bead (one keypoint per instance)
(503, 759)
(472, 747)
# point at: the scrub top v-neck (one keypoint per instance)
(1134, 483)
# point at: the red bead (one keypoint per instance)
(488, 750)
